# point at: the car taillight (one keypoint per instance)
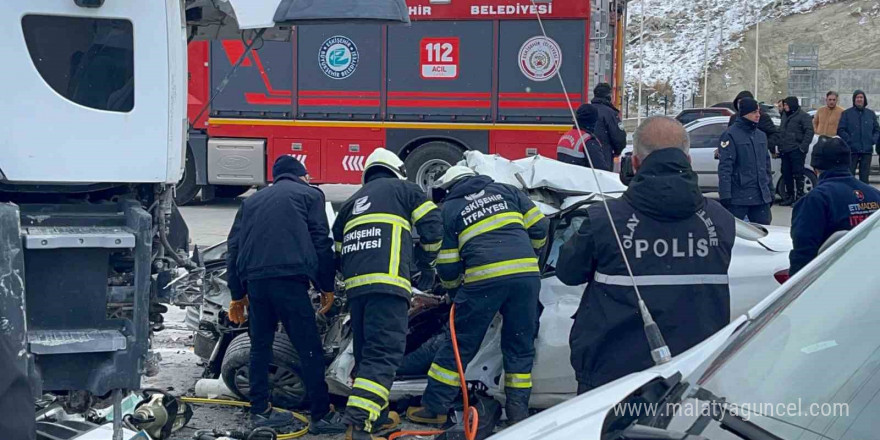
(782, 276)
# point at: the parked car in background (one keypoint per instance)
(687, 116)
(705, 135)
(802, 364)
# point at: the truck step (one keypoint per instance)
(38, 237)
(75, 341)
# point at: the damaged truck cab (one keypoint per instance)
(91, 146)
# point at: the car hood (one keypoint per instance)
(778, 239)
(584, 416)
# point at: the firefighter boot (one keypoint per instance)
(517, 405)
(387, 421)
(357, 434)
(423, 416)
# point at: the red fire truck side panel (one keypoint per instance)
(307, 151)
(497, 9)
(513, 145)
(339, 71)
(197, 83)
(260, 87)
(440, 71)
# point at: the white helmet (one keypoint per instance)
(381, 157)
(452, 175)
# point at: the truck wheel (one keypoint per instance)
(229, 192)
(285, 384)
(429, 161)
(187, 189)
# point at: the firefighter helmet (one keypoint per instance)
(381, 157)
(454, 174)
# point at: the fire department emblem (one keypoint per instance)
(540, 58)
(338, 57)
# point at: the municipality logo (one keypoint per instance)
(361, 205)
(475, 196)
(338, 57)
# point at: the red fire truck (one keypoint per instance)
(466, 75)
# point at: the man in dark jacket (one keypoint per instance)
(765, 123)
(574, 145)
(279, 243)
(838, 203)
(373, 236)
(797, 135)
(860, 130)
(678, 244)
(745, 187)
(493, 235)
(608, 129)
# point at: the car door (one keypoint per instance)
(704, 140)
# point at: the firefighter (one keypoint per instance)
(373, 237)
(678, 244)
(278, 244)
(493, 235)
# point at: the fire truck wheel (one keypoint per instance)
(285, 384)
(429, 161)
(187, 189)
(229, 191)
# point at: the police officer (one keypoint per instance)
(573, 145)
(839, 202)
(373, 244)
(678, 244)
(279, 243)
(493, 235)
(744, 184)
(609, 131)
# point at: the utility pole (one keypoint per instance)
(641, 59)
(757, 41)
(706, 66)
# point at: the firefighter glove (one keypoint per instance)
(326, 302)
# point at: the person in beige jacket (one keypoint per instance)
(827, 118)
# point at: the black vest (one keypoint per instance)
(681, 270)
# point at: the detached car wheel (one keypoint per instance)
(287, 390)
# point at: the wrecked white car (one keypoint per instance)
(563, 192)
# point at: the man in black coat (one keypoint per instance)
(684, 286)
(608, 129)
(745, 187)
(860, 130)
(765, 123)
(797, 135)
(279, 244)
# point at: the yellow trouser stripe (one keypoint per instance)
(518, 380)
(489, 224)
(444, 376)
(537, 244)
(372, 408)
(390, 219)
(373, 387)
(533, 216)
(501, 268)
(423, 209)
(338, 246)
(432, 247)
(448, 256)
(377, 278)
(451, 284)
(394, 259)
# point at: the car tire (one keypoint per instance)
(229, 191)
(810, 182)
(429, 161)
(286, 386)
(187, 188)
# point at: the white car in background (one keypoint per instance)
(705, 135)
(801, 364)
